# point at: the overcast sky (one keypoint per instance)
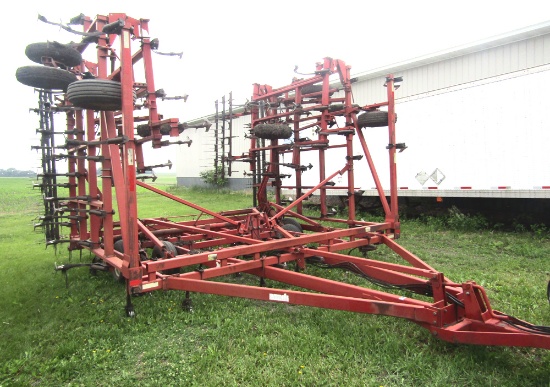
(229, 45)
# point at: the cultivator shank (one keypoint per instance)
(103, 149)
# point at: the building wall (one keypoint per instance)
(200, 156)
(467, 67)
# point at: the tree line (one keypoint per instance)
(12, 172)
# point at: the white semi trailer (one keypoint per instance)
(486, 139)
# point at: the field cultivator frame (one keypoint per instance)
(161, 254)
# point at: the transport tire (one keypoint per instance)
(117, 274)
(373, 119)
(272, 131)
(144, 130)
(293, 222)
(96, 94)
(288, 227)
(314, 89)
(58, 52)
(43, 77)
(158, 254)
(335, 107)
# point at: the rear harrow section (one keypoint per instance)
(149, 254)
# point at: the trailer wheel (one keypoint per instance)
(43, 77)
(159, 254)
(96, 94)
(117, 274)
(548, 291)
(293, 222)
(272, 131)
(373, 118)
(58, 52)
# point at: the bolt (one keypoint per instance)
(435, 313)
(467, 293)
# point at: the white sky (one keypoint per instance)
(229, 45)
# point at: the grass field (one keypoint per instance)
(56, 336)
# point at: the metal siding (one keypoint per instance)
(530, 57)
(514, 56)
(201, 151)
(460, 70)
(539, 51)
(522, 54)
(546, 49)
(503, 54)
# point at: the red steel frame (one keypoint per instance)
(253, 240)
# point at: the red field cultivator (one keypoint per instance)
(111, 116)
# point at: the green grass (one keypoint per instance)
(56, 336)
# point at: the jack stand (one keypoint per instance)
(187, 303)
(129, 308)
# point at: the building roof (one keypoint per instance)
(480, 45)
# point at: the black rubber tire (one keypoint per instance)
(335, 107)
(158, 254)
(43, 77)
(272, 131)
(117, 274)
(373, 119)
(144, 130)
(96, 94)
(548, 291)
(314, 89)
(288, 227)
(293, 222)
(58, 52)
